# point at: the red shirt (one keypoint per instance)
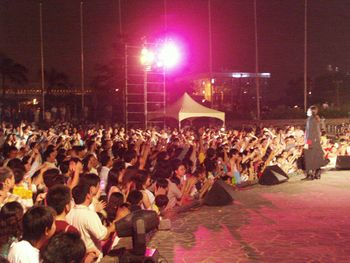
(63, 226)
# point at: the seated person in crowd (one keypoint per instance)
(38, 227)
(59, 198)
(73, 247)
(86, 220)
(11, 215)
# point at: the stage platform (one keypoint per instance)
(297, 221)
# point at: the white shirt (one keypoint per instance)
(50, 165)
(150, 195)
(23, 252)
(104, 176)
(88, 224)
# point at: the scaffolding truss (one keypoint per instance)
(145, 91)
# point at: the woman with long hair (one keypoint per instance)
(10, 226)
(115, 178)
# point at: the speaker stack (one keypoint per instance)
(343, 163)
(219, 194)
(273, 175)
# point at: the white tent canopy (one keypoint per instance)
(186, 108)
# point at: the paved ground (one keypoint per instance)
(297, 221)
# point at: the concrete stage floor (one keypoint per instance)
(297, 221)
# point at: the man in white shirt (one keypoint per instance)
(38, 227)
(86, 220)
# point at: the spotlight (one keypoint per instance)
(137, 225)
(169, 55)
(147, 57)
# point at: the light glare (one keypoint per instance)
(147, 57)
(169, 55)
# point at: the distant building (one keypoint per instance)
(228, 91)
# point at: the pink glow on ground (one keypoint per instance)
(207, 240)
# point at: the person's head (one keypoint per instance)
(233, 153)
(227, 179)
(15, 163)
(162, 156)
(105, 159)
(53, 177)
(64, 167)
(290, 140)
(284, 154)
(113, 179)
(80, 151)
(86, 162)
(200, 173)
(64, 247)
(180, 170)
(26, 163)
(130, 156)
(92, 181)
(12, 152)
(161, 201)
(7, 179)
(106, 144)
(211, 153)
(162, 183)
(38, 224)
(82, 194)
(91, 145)
(11, 215)
(143, 180)
(313, 110)
(19, 175)
(50, 155)
(120, 167)
(135, 197)
(59, 198)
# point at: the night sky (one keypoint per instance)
(280, 29)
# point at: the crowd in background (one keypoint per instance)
(63, 188)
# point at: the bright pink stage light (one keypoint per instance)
(169, 55)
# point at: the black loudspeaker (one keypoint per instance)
(273, 175)
(343, 163)
(219, 194)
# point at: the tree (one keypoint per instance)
(109, 83)
(332, 87)
(11, 71)
(55, 79)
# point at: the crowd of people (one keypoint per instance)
(65, 187)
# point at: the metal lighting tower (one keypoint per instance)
(145, 81)
(305, 56)
(145, 96)
(210, 52)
